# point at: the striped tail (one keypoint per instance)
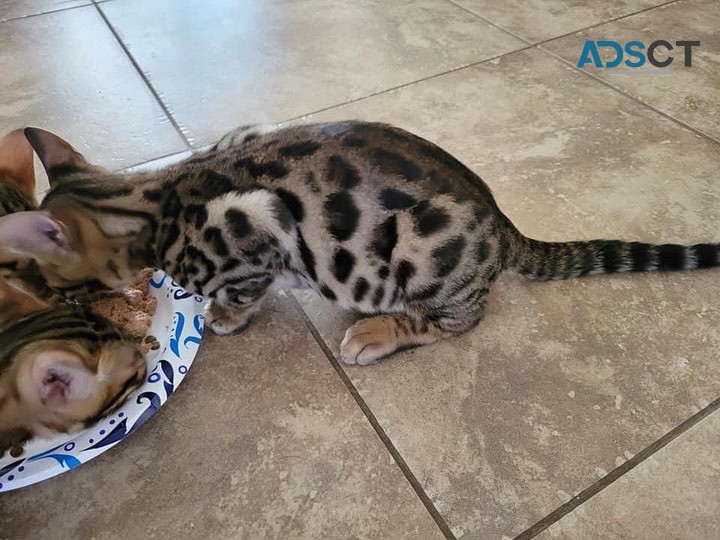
(565, 260)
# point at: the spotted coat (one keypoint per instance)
(370, 216)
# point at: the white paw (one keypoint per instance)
(221, 327)
(224, 322)
(367, 341)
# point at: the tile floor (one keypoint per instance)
(581, 409)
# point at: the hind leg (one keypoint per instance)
(374, 338)
(371, 339)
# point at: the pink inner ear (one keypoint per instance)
(60, 379)
(32, 235)
(55, 385)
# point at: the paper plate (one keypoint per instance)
(178, 326)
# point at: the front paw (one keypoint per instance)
(368, 341)
(225, 321)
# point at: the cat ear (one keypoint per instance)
(60, 377)
(16, 163)
(33, 235)
(57, 155)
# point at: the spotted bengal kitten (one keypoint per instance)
(369, 215)
(61, 365)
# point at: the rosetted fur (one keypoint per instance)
(371, 216)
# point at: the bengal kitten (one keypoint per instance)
(61, 365)
(371, 216)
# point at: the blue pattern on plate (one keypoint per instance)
(64, 460)
(11, 467)
(120, 431)
(199, 324)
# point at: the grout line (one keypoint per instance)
(58, 10)
(595, 488)
(616, 473)
(158, 158)
(491, 23)
(405, 85)
(401, 463)
(573, 32)
(619, 18)
(529, 45)
(539, 46)
(619, 90)
(329, 107)
(143, 76)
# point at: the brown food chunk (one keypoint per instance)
(132, 309)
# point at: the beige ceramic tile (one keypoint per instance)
(65, 72)
(11, 9)
(673, 494)
(562, 379)
(690, 94)
(160, 163)
(234, 63)
(262, 440)
(538, 20)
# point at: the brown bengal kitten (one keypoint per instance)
(61, 366)
(369, 215)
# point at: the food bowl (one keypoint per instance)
(178, 327)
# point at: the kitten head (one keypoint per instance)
(61, 370)
(75, 252)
